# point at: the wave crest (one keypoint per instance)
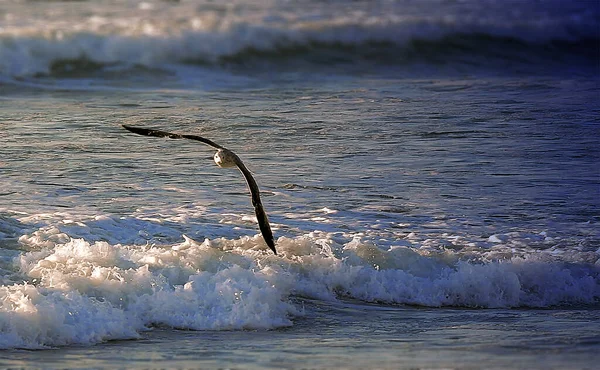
(91, 292)
(251, 45)
(82, 279)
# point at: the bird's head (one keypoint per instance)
(225, 158)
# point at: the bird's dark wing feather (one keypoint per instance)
(261, 215)
(158, 133)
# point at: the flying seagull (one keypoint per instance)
(224, 158)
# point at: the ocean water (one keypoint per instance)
(431, 170)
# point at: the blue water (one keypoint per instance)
(430, 171)
(346, 335)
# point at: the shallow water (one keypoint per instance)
(350, 335)
(431, 179)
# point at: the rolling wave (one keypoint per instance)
(64, 288)
(252, 46)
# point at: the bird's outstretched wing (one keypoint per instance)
(261, 215)
(158, 133)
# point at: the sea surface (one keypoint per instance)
(431, 171)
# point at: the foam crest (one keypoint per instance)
(74, 290)
(233, 298)
(37, 317)
(189, 285)
(404, 276)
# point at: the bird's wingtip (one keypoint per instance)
(128, 127)
(272, 247)
(145, 131)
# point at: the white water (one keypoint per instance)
(67, 290)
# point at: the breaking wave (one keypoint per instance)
(395, 42)
(61, 289)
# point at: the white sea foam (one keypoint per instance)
(75, 290)
(37, 317)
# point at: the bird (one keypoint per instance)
(224, 158)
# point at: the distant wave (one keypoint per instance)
(251, 45)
